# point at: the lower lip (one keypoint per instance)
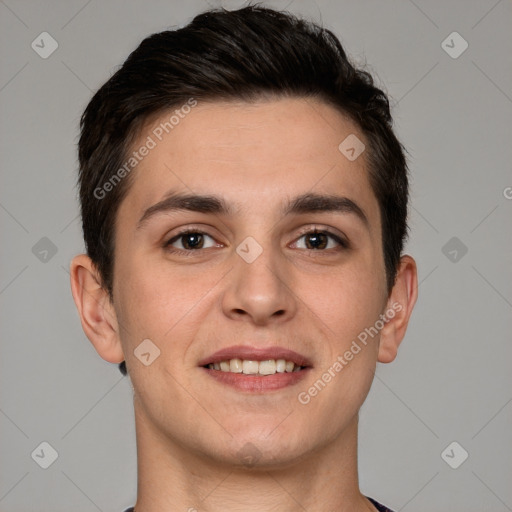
(257, 383)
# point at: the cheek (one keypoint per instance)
(345, 305)
(346, 300)
(155, 299)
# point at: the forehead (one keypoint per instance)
(251, 153)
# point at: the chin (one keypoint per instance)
(264, 450)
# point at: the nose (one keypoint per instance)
(260, 291)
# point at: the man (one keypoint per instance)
(244, 204)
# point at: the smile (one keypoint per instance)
(260, 368)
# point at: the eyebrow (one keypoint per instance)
(304, 203)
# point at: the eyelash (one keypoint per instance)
(343, 243)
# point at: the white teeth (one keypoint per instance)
(249, 367)
(267, 367)
(235, 366)
(280, 366)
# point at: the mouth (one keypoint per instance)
(251, 367)
(256, 369)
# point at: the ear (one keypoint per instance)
(399, 307)
(96, 312)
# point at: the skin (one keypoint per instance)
(191, 430)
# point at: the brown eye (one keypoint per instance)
(320, 240)
(317, 241)
(192, 241)
(189, 241)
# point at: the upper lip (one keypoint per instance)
(255, 354)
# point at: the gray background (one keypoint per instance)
(452, 378)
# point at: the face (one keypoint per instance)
(259, 275)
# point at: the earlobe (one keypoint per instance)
(399, 308)
(96, 312)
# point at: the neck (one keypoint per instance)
(172, 478)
